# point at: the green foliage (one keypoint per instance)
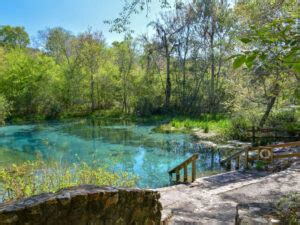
(279, 38)
(285, 119)
(260, 165)
(122, 22)
(11, 37)
(217, 124)
(4, 109)
(270, 53)
(240, 126)
(76, 75)
(239, 60)
(30, 83)
(206, 128)
(288, 208)
(35, 177)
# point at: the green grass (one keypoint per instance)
(218, 124)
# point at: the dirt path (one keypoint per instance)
(213, 200)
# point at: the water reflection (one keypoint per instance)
(121, 145)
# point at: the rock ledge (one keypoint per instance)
(86, 204)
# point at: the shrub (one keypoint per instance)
(4, 109)
(286, 119)
(289, 207)
(31, 178)
(260, 165)
(206, 128)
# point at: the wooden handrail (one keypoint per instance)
(283, 145)
(237, 155)
(280, 156)
(184, 165)
(233, 156)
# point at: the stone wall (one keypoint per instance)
(85, 205)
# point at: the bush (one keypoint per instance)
(281, 117)
(31, 178)
(206, 128)
(287, 119)
(238, 128)
(260, 165)
(4, 109)
(289, 207)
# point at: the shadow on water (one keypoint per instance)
(124, 146)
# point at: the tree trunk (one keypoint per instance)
(124, 93)
(269, 106)
(93, 106)
(168, 85)
(212, 81)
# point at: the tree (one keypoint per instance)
(165, 41)
(273, 54)
(122, 22)
(65, 48)
(29, 83)
(58, 43)
(124, 58)
(12, 37)
(91, 47)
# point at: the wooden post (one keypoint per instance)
(228, 165)
(177, 176)
(272, 154)
(193, 170)
(237, 165)
(185, 178)
(246, 158)
(171, 177)
(253, 135)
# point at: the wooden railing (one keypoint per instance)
(184, 166)
(236, 156)
(271, 155)
(264, 153)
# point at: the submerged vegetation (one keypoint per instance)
(35, 177)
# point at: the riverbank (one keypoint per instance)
(205, 127)
(207, 123)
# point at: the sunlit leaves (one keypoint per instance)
(274, 43)
(239, 61)
(31, 178)
(245, 40)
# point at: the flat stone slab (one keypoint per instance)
(213, 200)
(257, 213)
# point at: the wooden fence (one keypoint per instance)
(264, 153)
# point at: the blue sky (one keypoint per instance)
(73, 15)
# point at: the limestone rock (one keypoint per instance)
(86, 204)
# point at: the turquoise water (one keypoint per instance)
(129, 147)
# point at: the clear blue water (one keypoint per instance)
(134, 148)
